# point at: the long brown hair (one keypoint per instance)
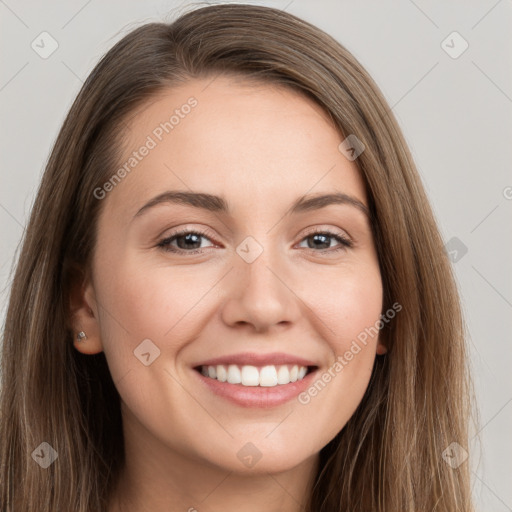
(389, 456)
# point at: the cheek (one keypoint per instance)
(147, 316)
(350, 307)
(348, 301)
(139, 307)
(359, 306)
(156, 309)
(147, 301)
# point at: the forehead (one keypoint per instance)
(241, 139)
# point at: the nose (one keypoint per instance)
(261, 294)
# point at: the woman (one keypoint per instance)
(309, 356)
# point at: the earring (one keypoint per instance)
(81, 336)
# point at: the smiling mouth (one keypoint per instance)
(256, 376)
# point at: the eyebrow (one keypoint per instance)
(219, 204)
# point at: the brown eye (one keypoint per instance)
(322, 240)
(187, 241)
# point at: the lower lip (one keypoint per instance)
(257, 396)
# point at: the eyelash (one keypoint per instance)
(164, 244)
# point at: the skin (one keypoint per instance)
(261, 147)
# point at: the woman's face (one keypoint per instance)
(254, 288)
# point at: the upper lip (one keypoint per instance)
(255, 359)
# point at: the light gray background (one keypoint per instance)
(455, 113)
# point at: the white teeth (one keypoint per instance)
(234, 375)
(250, 376)
(222, 373)
(283, 375)
(268, 376)
(247, 375)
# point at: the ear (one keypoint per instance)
(381, 349)
(383, 341)
(84, 315)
